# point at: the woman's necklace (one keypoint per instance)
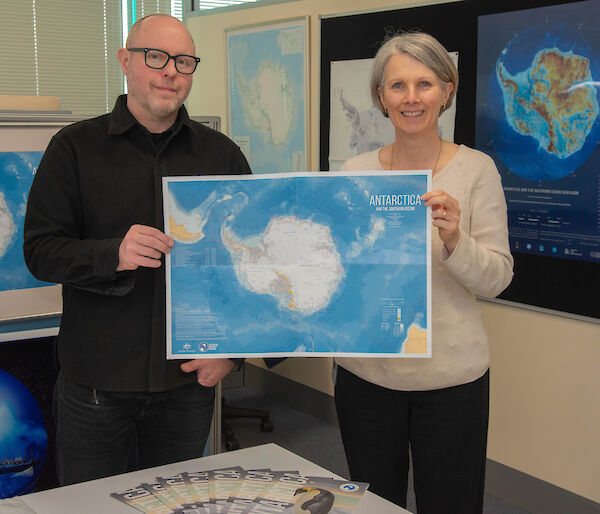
(433, 170)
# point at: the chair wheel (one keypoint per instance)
(266, 425)
(232, 444)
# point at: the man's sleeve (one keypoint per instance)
(240, 165)
(54, 247)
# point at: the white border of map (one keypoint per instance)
(169, 327)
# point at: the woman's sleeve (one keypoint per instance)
(481, 260)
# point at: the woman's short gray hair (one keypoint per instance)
(419, 46)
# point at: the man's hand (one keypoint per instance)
(143, 246)
(208, 371)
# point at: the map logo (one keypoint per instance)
(349, 487)
(202, 347)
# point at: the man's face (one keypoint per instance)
(155, 96)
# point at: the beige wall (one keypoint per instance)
(545, 405)
(312, 371)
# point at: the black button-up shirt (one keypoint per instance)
(96, 179)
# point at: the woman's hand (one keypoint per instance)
(445, 213)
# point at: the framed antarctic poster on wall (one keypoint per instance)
(528, 97)
(267, 77)
(538, 117)
(30, 308)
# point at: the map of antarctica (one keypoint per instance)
(298, 264)
(267, 95)
(539, 111)
(538, 117)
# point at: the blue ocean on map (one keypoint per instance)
(16, 175)
(542, 102)
(296, 264)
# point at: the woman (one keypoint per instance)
(438, 407)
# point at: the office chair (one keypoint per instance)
(230, 413)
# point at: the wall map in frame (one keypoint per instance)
(267, 73)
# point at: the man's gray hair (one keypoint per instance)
(419, 46)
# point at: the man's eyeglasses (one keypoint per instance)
(158, 59)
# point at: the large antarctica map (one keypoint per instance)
(298, 264)
(267, 95)
(538, 117)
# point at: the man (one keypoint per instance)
(94, 223)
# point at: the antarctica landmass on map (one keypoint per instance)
(554, 100)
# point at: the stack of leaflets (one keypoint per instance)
(236, 490)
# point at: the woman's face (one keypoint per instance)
(413, 95)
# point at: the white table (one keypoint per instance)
(93, 497)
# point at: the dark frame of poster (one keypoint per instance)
(540, 283)
(558, 284)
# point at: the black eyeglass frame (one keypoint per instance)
(169, 57)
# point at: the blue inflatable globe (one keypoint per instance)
(23, 438)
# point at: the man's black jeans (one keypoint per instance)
(101, 433)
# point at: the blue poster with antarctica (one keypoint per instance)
(538, 78)
(298, 264)
(17, 170)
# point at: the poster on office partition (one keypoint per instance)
(298, 264)
(538, 117)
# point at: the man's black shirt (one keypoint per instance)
(97, 178)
